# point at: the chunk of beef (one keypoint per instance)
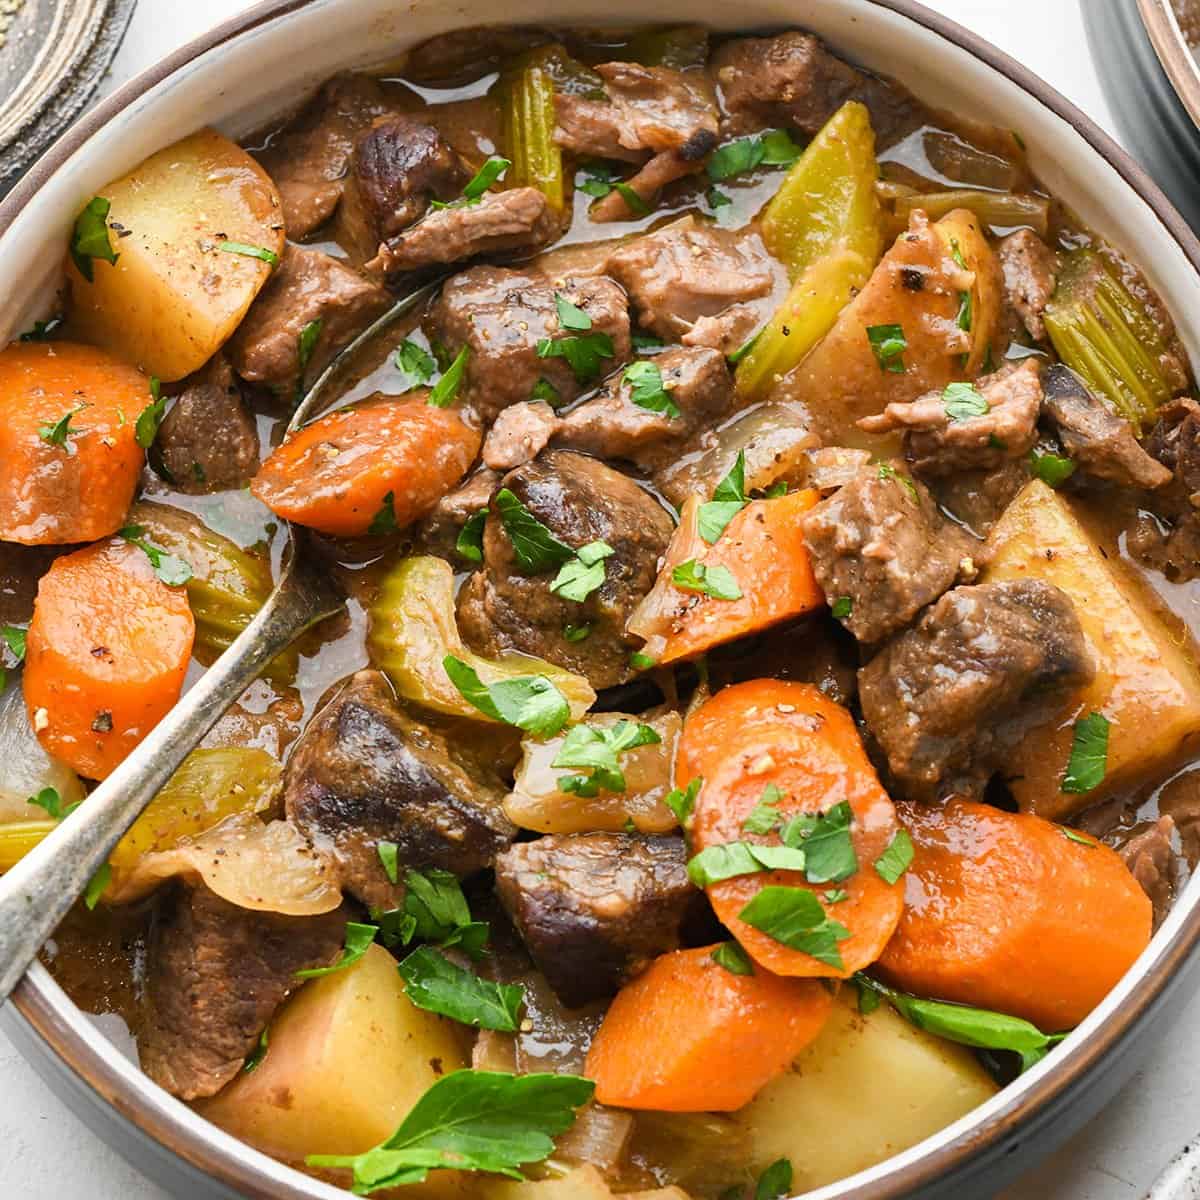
(520, 433)
(647, 109)
(792, 79)
(1180, 800)
(688, 271)
(215, 973)
(1102, 443)
(463, 56)
(1168, 537)
(1149, 853)
(307, 286)
(977, 499)
(881, 542)
(208, 441)
(580, 500)
(646, 183)
(438, 532)
(365, 772)
(309, 157)
(938, 440)
(611, 425)
(1030, 271)
(949, 698)
(727, 332)
(503, 315)
(595, 908)
(519, 220)
(399, 165)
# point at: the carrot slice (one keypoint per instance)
(373, 468)
(69, 461)
(687, 1035)
(106, 655)
(793, 737)
(1007, 911)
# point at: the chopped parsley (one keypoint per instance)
(764, 816)
(97, 886)
(795, 918)
(598, 748)
(896, 859)
(60, 433)
(469, 542)
(577, 633)
(887, 471)
(842, 607)
(173, 571)
(888, 344)
(647, 389)
(89, 239)
(529, 702)
(259, 252)
(49, 799)
(682, 801)
(389, 857)
(536, 548)
(580, 576)
(962, 401)
(717, 198)
(417, 364)
(434, 983)
(306, 344)
(963, 320)
(728, 500)
(1051, 469)
(715, 581)
(358, 940)
(827, 842)
(571, 316)
(546, 392)
(733, 958)
(642, 662)
(774, 148)
(597, 180)
(384, 521)
(775, 1182)
(260, 1052)
(491, 172)
(715, 863)
(585, 353)
(744, 349)
(1089, 754)
(647, 343)
(435, 910)
(1073, 835)
(12, 636)
(446, 389)
(145, 428)
(633, 200)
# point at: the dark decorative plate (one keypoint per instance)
(53, 54)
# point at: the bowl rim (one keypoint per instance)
(179, 1134)
(1173, 53)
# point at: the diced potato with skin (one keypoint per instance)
(867, 1088)
(918, 285)
(537, 803)
(1146, 683)
(347, 1058)
(174, 296)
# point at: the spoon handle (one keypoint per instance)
(39, 890)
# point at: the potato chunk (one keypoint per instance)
(921, 284)
(1146, 683)
(347, 1057)
(867, 1088)
(174, 295)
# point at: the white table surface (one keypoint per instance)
(46, 1154)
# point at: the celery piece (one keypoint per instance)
(1108, 338)
(1000, 210)
(827, 199)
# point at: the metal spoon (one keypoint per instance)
(39, 890)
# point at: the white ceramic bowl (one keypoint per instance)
(256, 67)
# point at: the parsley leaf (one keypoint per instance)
(546, 392)
(647, 343)
(97, 886)
(733, 958)
(896, 859)
(962, 401)
(13, 636)
(260, 1052)
(597, 180)
(145, 428)
(578, 578)
(530, 702)
(715, 863)
(633, 199)
(358, 940)
(434, 983)
(435, 910)
(1089, 754)
(60, 433)
(535, 547)
(887, 471)
(965, 307)
(827, 842)
(794, 917)
(469, 542)
(306, 343)
(49, 799)
(842, 607)
(584, 353)
(173, 571)
(1073, 835)
(389, 857)
(764, 816)
(717, 198)
(775, 1182)
(571, 316)
(89, 239)
(682, 801)
(728, 500)
(416, 362)
(577, 633)
(471, 1121)
(260, 252)
(744, 349)
(1051, 469)
(642, 662)
(446, 388)
(647, 389)
(774, 148)
(888, 344)
(384, 521)
(492, 171)
(715, 581)
(598, 748)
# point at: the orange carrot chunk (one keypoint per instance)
(369, 469)
(1007, 911)
(106, 655)
(69, 460)
(688, 1035)
(789, 746)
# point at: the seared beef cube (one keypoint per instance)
(951, 697)
(309, 158)
(208, 441)
(215, 974)
(611, 425)
(580, 500)
(307, 286)
(1102, 443)
(1168, 539)
(1030, 273)
(881, 543)
(519, 220)
(438, 532)
(647, 109)
(792, 79)
(728, 331)
(365, 772)
(689, 271)
(502, 315)
(595, 908)
(1149, 853)
(977, 499)
(520, 433)
(941, 440)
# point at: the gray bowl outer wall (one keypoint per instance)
(974, 1157)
